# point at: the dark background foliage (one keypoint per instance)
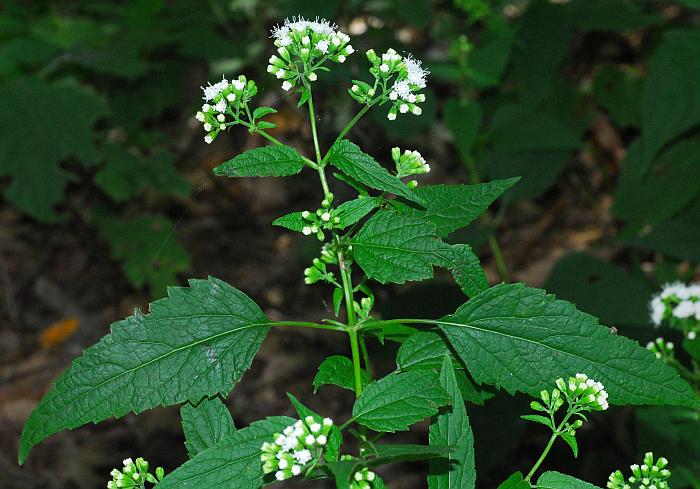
(108, 197)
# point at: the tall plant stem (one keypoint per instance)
(542, 457)
(352, 322)
(319, 161)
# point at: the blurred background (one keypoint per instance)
(107, 196)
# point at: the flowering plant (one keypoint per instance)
(194, 346)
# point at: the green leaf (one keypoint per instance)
(571, 441)
(267, 161)
(352, 211)
(555, 480)
(233, 462)
(536, 418)
(263, 111)
(451, 427)
(387, 454)
(522, 339)
(678, 237)
(601, 288)
(394, 248)
(197, 342)
(125, 175)
(349, 158)
(205, 424)
(489, 59)
(342, 470)
(611, 15)
(464, 122)
(147, 249)
(338, 370)
(451, 207)
(466, 269)
(292, 221)
(515, 481)
(671, 97)
(335, 437)
(618, 91)
(650, 198)
(422, 351)
(43, 124)
(396, 402)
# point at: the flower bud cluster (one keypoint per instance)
(409, 163)
(324, 218)
(649, 475)
(409, 78)
(223, 102)
(678, 304)
(584, 393)
(318, 272)
(364, 307)
(300, 444)
(134, 474)
(303, 46)
(662, 349)
(362, 479)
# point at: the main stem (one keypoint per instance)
(542, 457)
(317, 148)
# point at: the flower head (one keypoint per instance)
(409, 163)
(133, 474)
(295, 448)
(303, 47)
(678, 305)
(224, 102)
(362, 479)
(651, 474)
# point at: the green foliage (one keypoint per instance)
(555, 480)
(457, 470)
(197, 342)
(515, 481)
(267, 161)
(337, 370)
(396, 402)
(521, 339)
(205, 424)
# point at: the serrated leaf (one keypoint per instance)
(197, 342)
(233, 462)
(43, 124)
(556, 480)
(335, 437)
(451, 427)
(337, 370)
(522, 339)
(466, 269)
(571, 441)
(205, 424)
(352, 211)
(292, 221)
(671, 96)
(349, 158)
(515, 481)
(148, 250)
(396, 402)
(394, 248)
(451, 207)
(536, 418)
(267, 161)
(423, 350)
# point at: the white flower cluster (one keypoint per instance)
(662, 349)
(409, 78)
(649, 475)
(325, 217)
(317, 272)
(224, 99)
(409, 163)
(679, 305)
(303, 46)
(296, 447)
(582, 392)
(134, 474)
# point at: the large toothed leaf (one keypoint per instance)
(338, 370)
(555, 480)
(457, 470)
(422, 351)
(451, 207)
(233, 462)
(522, 339)
(394, 248)
(205, 424)
(352, 211)
(397, 401)
(197, 342)
(349, 158)
(267, 161)
(466, 268)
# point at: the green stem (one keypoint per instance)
(272, 139)
(542, 457)
(317, 148)
(349, 126)
(305, 324)
(352, 322)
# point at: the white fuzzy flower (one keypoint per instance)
(692, 335)
(323, 45)
(220, 106)
(657, 310)
(211, 91)
(684, 310)
(286, 86)
(303, 457)
(208, 139)
(416, 75)
(200, 116)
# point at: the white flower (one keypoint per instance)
(416, 75)
(231, 97)
(391, 116)
(321, 439)
(221, 118)
(208, 139)
(207, 127)
(310, 440)
(211, 91)
(692, 335)
(296, 470)
(657, 310)
(286, 86)
(220, 106)
(684, 310)
(302, 456)
(313, 76)
(384, 68)
(323, 45)
(279, 475)
(199, 116)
